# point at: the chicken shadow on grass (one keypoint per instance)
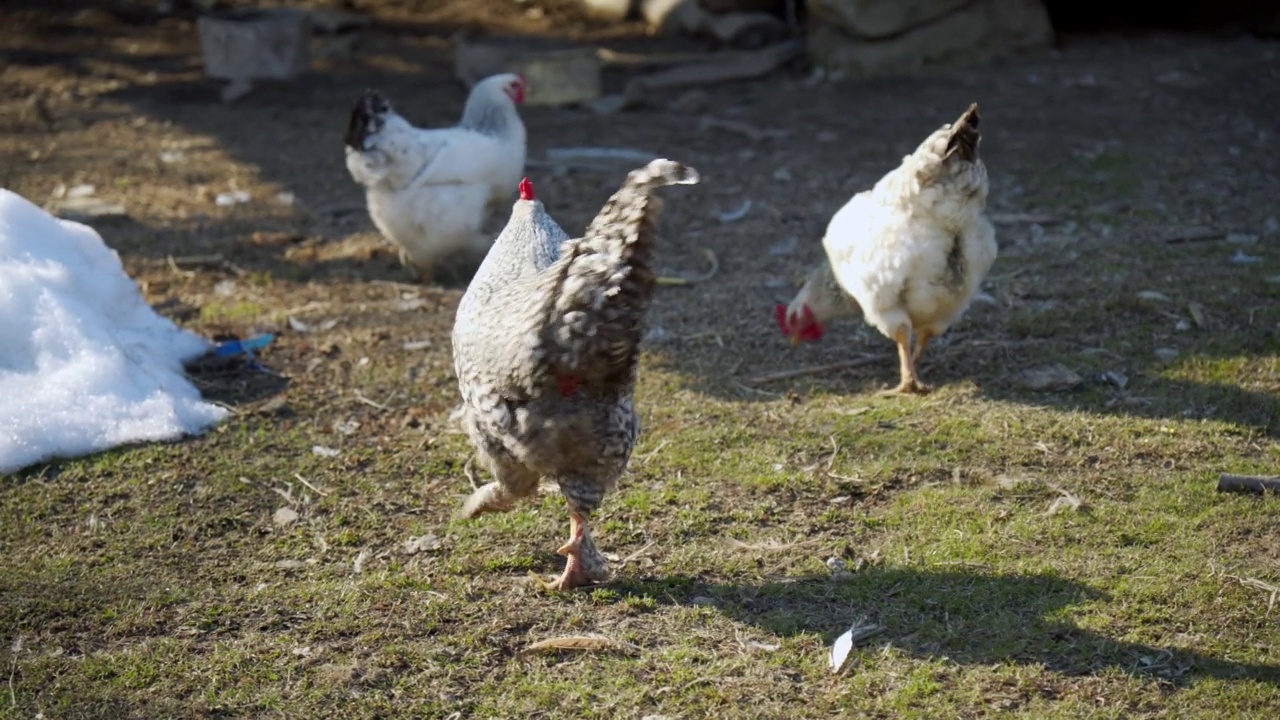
(966, 617)
(994, 365)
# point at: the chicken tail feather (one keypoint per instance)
(367, 118)
(964, 136)
(605, 281)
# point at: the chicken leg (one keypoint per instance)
(922, 341)
(512, 484)
(584, 562)
(910, 383)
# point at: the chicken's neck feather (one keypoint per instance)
(530, 242)
(488, 116)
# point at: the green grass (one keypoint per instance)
(1032, 554)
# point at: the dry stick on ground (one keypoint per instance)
(873, 359)
(1247, 483)
(580, 643)
(636, 554)
(736, 544)
(308, 484)
(818, 369)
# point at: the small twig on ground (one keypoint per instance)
(370, 402)
(1247, 483)
(210, 260)
(649, 455)
(747, 388)
(1257, 584)
(636, 554)
(835, 452)
(13, 668)
(313, 487)
(715, 268)
(580, 643)
(818, 369)
(739, 545)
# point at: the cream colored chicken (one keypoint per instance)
(909, 254)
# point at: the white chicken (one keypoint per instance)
(428, 190)
(909, 254)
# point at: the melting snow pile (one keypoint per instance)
(85, 363)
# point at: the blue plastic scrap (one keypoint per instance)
(248, 347)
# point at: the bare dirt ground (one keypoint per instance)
(152, 582)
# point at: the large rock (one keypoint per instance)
(881, 18)
(252, 44)
(980, 30)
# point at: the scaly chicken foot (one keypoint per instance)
(584, 563)
(910, 383)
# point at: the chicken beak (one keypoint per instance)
(795, 339)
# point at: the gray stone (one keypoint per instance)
(673, 16)
(881, 18)
(556, 75)
(984, 29)
(249, 44)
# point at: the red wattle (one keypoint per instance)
(780, 312)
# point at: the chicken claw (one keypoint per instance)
(908, 387)
(584, 563)
(910, 384)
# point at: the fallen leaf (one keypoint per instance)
(285, 516)
(580, 643)
(422, 543)
(357, 566)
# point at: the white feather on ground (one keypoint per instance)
(85, 363)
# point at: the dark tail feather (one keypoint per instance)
(367, 118)
(661, 172)
(965, 135)
(600, 340)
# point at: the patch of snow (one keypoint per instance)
(85, 363)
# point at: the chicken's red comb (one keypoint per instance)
(780, 312)
(526, 189)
